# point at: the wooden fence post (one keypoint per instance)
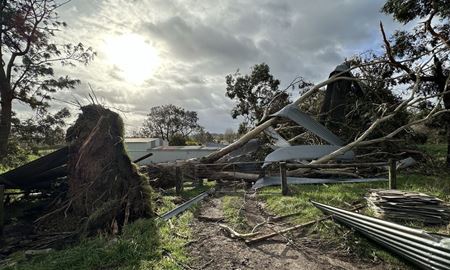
(179, 180)
(2, 214)
(392, 174)
(284, 185)
(198, 180)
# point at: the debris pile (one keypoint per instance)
(408, 206)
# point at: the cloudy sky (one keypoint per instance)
(155, 52)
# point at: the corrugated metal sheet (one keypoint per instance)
(405, 163)
(428, 251)
(276, 181)
(242, 153)
(278, 141)
(293, 113)
(305, 152)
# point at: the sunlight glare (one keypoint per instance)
(136, 59)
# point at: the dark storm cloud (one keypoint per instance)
(200, 42)
(197, 41)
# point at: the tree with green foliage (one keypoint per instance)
(256, 94)
(426, 46)
(202, 136)
(177, 140)
(167, 121)
(28, 137)
(43, 131)
(28, 54)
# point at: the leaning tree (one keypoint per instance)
(28, 54)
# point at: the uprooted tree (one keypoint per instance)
(106, 191)
(28, 55)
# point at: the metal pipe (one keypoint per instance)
(181, 208)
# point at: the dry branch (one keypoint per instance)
(296, 227)
(235, 234)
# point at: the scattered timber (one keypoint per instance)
(261, 127)
(408, 206)
(296, 227)
(234, 234)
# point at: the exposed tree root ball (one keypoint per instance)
(105, 188)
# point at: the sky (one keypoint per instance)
(156, 52)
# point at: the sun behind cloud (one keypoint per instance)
(136, 59)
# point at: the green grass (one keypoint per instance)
(437, 151)
(137, 245)
(232, 206)
(342, 195)
(144, 244)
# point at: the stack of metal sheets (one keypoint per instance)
(408, 206)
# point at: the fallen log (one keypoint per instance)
(337, 165)
(236, 176)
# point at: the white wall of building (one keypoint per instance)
(138, 147)
(173, 153)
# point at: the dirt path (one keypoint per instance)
(214, 250)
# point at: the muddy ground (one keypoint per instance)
(212, 247)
